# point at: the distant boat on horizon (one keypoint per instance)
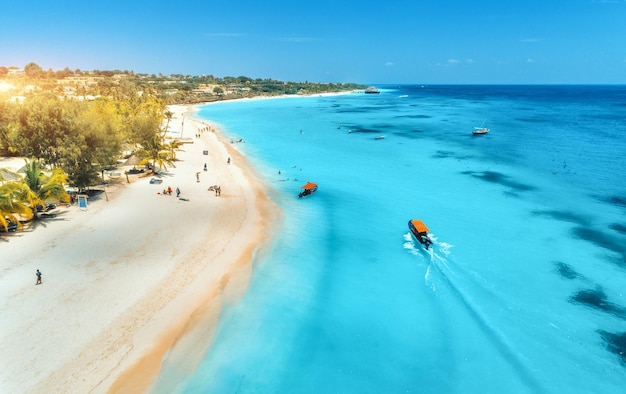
(371, 90)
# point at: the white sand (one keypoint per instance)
(124, 279)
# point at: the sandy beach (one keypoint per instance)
(135, 275)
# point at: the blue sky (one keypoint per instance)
(366, 41)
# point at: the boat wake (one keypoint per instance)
(442, 274)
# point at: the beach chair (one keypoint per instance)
(82, 201)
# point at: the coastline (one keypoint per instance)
(133, 278)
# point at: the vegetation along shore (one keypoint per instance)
(75, 126)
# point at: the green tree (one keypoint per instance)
(172, 147)
(94, 144)
(168, 116)
(45, 187)
(144, 125)
(16, 200)
(43, 123)
(33, 70)
(7, 121)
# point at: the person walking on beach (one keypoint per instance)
(38, 277)
(177, 192)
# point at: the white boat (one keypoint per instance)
(480, 130)
(380, 137)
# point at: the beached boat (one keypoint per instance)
(371, 90)
(307, 189)
(420, 232)
(480, 130)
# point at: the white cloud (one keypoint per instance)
(389, 64)
(453, 61)
(530, 60)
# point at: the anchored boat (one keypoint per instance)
(420, 232)
(307, 189)
(480, 130)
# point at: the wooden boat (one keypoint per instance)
(420, 232)
(307, 189)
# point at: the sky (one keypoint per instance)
(362, 41)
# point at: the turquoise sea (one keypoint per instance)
(523, 290)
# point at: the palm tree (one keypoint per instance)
(172, 147)
(45, 187)
(156, 154)
(155, 157)
(168, 115)
(16, 200)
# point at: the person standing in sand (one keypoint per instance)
(38, 277)
(177, 192)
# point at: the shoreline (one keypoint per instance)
(132, 279)
(188, 341)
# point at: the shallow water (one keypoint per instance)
(522, 290)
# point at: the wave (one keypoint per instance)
(442, 271)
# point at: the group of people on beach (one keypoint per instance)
(217, 189)
(168, 191)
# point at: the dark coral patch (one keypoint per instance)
(566, 271)
(620, 228)
(499, 178)
(620, 201)
(448, 154)
(444, 154)
(615, 343)
(603, 240)
(566, 216)
(597, 299)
